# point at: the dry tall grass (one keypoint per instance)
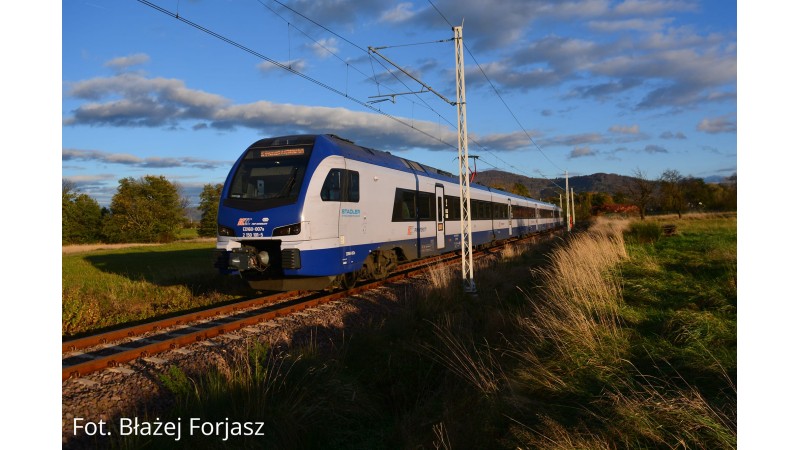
(576, 313)
(574, 332)
(661, 411)
(458, 352)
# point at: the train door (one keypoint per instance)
(325, 204)
(510, 219)
(439, 216)
(352, 218)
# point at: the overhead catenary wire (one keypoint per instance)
(415, 44)
(319, 44)
(345, 94)
(497, 92)
(392, 73)
(288, 69)
(369, 52)
(372, 59)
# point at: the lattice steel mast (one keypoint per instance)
(463, 167)
(467, 271)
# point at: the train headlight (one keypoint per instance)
(288, 230)
(263, 258)
(225, 231)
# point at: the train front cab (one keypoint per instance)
(263, 231)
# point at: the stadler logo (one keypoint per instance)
(351, 212)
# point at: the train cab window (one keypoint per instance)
(340, 186)
(268, 179)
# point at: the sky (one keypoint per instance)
(130, 91)
(581, 87)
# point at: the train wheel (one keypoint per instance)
(381, 263)
(349, 280)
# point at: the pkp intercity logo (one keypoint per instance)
(246, 221)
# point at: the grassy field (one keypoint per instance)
(104, 288)
(617, 337)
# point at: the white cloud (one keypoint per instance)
(298, 64)
(399, 13)
(69, 154)
(580, 152)
(324, 48)
(715, 125)
(610, 26)
(671, 135)
(124, 62)
(653, 7)
(623, 129)
(158, 102)
(655, 149)
(144, 102)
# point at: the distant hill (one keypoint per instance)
(544, 188)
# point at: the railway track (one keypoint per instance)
(110, 349)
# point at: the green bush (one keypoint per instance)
(643, 232)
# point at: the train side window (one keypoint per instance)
(352, 186)
(425, 206)
(340, 185)
(332, 188)
(404, 206)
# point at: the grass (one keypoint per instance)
(598, 340)
(111, 287)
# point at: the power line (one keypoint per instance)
(287, 68)
(497, 92)
(391, 72)
(328, 87)
(510, 111)
(366, 51)
(412, 45)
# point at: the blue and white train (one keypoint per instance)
(314, 211)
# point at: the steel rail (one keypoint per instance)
(183, 319)
(196, 316)
(126, 352)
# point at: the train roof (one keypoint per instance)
(351, 150)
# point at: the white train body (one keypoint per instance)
(305, 212)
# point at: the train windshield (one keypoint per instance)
(268, 179)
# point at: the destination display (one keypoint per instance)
(282, 152)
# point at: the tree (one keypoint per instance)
(729, 199)
(619, 197)
(641, 190)
(81, 216)
(520, 189)
(149, 209)
(672, 191)
(209, 203)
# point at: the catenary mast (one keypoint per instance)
(467, 274)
